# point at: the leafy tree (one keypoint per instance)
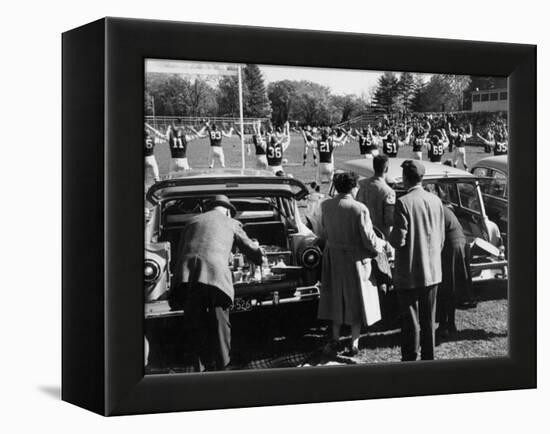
(202, 99)
(458, 84)
(345, 107)
(386, 95)
(227, 96)
(170, 93)
(173, 95)
(257, 103)
(281, 95)
(436, 96)
(407, 89)
(312, 103)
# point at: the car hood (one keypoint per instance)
(228, 184)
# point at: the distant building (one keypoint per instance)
(490, 100)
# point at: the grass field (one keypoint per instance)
(296, 338)
(198, 156)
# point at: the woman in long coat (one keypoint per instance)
(347, 294)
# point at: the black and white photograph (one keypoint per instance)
(282, 217)
(299, 217)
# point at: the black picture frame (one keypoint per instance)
(102, 296)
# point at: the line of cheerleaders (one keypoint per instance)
(271, 143)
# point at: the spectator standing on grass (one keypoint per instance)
(348, 297)
(178, 141)
(203, 286)
(418, 235)
(378, 196)
(456, 283)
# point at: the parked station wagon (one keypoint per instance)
(267, 208)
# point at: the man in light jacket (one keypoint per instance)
(203, 284)
(418, 236)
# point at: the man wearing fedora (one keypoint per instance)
(418, 236)
(203, 284)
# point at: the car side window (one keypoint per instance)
(444, 190)
(468, 196)
(481, 171)
(498, 185)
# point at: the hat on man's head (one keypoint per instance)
(221, 200)
(413, 167)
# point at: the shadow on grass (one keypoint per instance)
(473, 335)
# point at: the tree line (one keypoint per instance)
(440, 93)
(307, 102)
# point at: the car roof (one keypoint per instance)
(217, 173)
(363, 167)
(224, 181)
(498, 162)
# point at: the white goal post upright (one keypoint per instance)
(241, 116)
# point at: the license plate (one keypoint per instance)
(241, 305)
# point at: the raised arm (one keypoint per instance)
(229, 134)
(470, 131)
(484, 140)
(444, 138)
(202, 132)
(451, 132)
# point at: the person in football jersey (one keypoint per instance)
(488, 141)
(391, 143)
(501, 140)
(361, 137)
(460, 137)
(419, 141)
(260, 145)
(437, 143)
(499, 147)
(150, 161)
(367, 147)
(246, 141)
(215, 135)
(309, 142)
(377, 140)
(177, 142)
(277, 143)
(326, 144)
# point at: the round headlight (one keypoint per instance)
(151, 271)
(311, 257)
